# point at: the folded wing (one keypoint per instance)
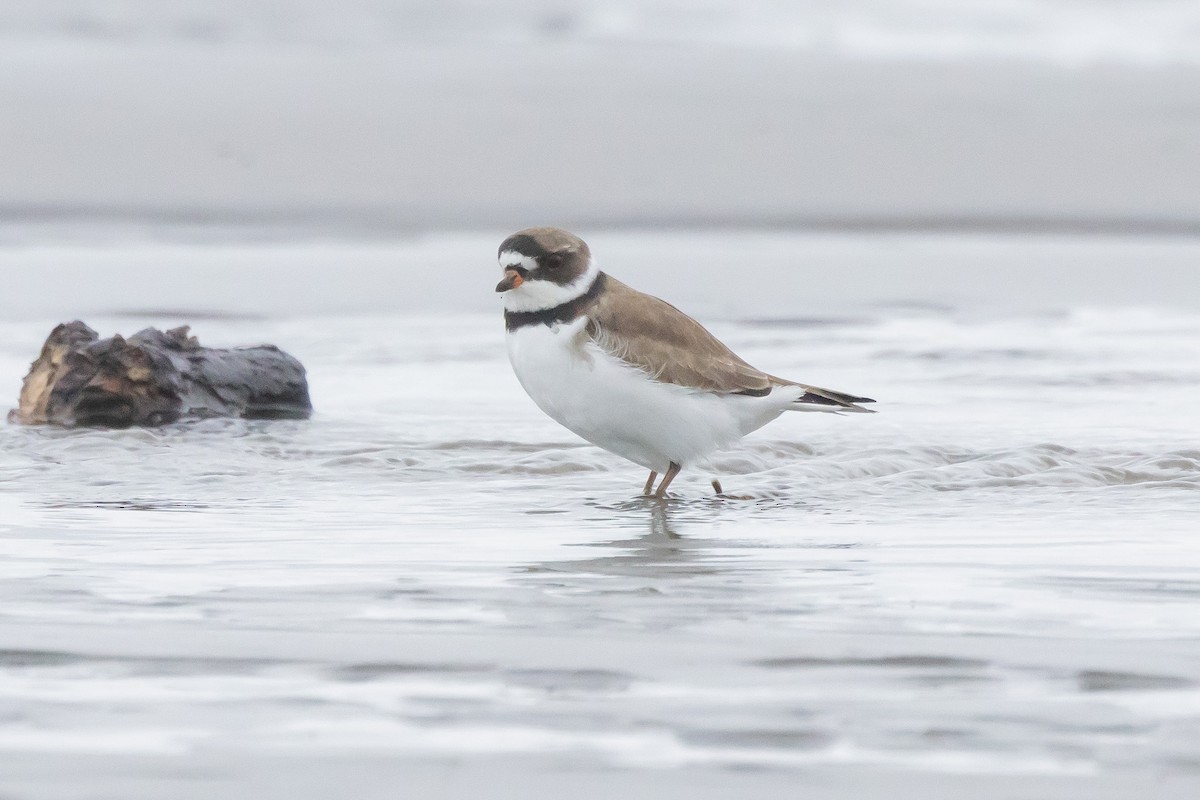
(654, 336)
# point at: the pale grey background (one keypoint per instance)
(386, 117)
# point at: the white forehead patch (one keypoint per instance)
(511, 258)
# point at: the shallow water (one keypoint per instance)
(990, 587)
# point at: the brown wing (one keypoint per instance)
(671, 346)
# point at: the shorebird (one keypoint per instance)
(627, 371)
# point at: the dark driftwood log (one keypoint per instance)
(153, 378)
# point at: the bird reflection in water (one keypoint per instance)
(662, 551)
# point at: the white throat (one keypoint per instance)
(535, 295)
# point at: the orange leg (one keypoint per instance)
(716, 484)
(672, 471)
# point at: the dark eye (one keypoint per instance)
(553, 261)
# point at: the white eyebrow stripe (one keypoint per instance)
(511, 258)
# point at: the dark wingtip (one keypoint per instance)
(835, 400)
(817, 400)
(826, 400)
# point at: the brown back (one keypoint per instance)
(669, 345)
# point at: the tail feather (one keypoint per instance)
(817, 399)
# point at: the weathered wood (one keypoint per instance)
(153, 378)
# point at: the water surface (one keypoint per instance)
(989, 588)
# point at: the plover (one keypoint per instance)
(629, 372)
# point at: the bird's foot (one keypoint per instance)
(716, 484)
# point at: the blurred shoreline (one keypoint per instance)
(30, 224)
(458, 137)
(740, 274)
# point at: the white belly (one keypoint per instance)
(621, 409)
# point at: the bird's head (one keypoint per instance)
(543, 268)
